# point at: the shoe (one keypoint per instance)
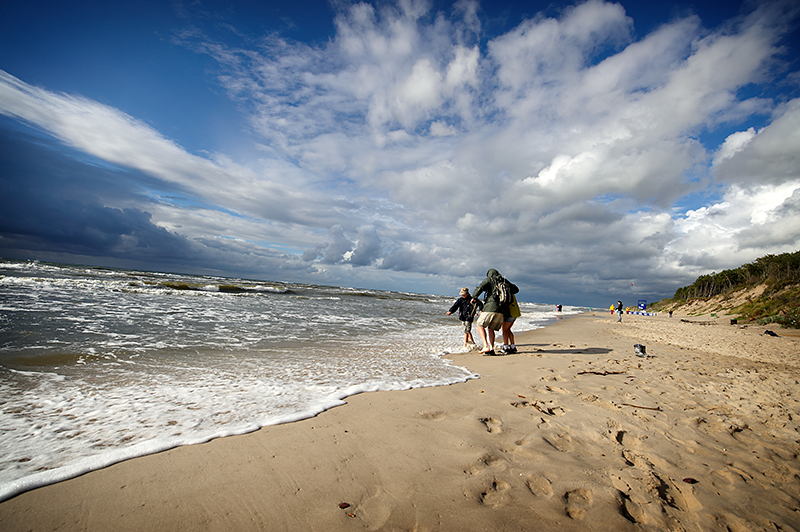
(511, 350)
(490, 353)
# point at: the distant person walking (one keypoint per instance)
(494, 311)
(467, 309)
(619, 310)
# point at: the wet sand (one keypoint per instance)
(575, 432)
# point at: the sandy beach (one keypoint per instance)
(575, 432)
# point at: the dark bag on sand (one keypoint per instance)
(502, 291)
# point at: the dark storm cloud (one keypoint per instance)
(50, 201)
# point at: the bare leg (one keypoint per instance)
(482, 333)
(508, 339)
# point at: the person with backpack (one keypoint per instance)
(497, 301)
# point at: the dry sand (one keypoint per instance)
(573, 433)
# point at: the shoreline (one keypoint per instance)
(42, 477)
(575, 432)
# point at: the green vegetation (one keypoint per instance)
(779, 302)
(782, 307)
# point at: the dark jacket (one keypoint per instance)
(464, 306)
(491, 304)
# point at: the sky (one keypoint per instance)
(589, 151)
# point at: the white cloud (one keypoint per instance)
(463, 69)
(733, 143)
(748, 222)
(772, 156)
(441, 129)
(561, 152)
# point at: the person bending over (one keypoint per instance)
(491, 317)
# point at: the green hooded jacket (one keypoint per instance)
(491, 304)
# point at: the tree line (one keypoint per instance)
(776, 271)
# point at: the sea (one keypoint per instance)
(100, 365)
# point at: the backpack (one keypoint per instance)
(502, 292)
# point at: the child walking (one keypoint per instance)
(466, 313)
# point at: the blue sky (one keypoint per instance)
(590, 151)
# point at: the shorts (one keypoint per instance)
(467, 326)
(490, 320)
(510, 319)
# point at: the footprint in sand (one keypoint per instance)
(525, 448)
(623, 437)
(487, 460)
(637, 501)
(560, 442)
(493, 497)
(539, 486)
(578, 502)
(672, 494)
(432, 415)
(634, 511)
(375, 509)
(494, 426)
(636, 460)
(721, 479)
(545, 408)
(597, 401)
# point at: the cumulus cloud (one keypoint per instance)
(566, 152)
(758, 220)
(770, 156)
(733, 143)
